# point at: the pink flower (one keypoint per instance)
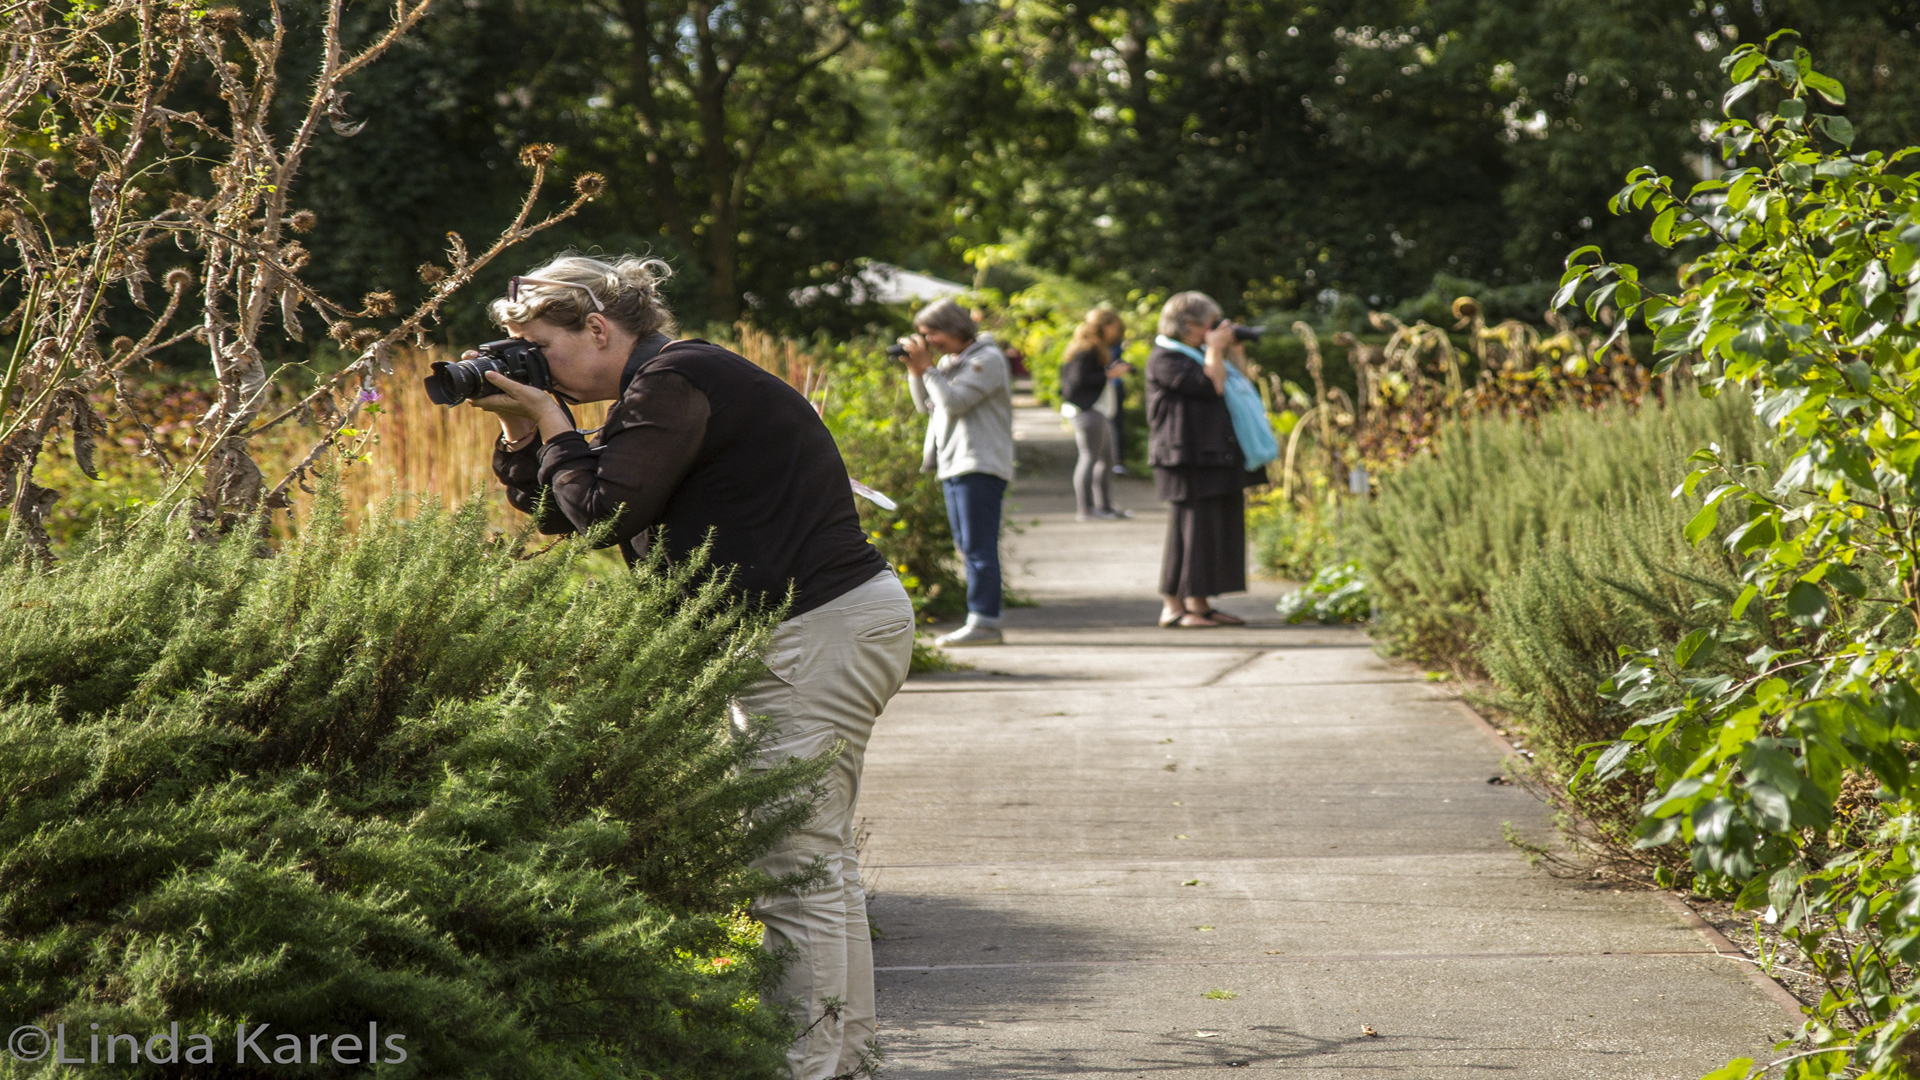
(369, 395)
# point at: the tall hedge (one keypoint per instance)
(408, 776)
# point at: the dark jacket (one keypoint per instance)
(1083, 378)
(703, 443)
(1189, 420)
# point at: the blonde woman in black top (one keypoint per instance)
(1084, 388)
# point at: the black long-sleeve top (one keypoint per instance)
(1083, 378)
(703, 443)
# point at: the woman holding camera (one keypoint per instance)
(701, 446)
(1090, 402)
(969, 447)
(1198, 466)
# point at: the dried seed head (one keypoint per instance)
(363, 338)
(222, 20)
(590, 184)
(232, 69)
(87, 146)
(432, 273)
(536, 154)
(45, 168)
(179, 279)
(84, 168)
(169, 24)
(341, 331)
(377, 305)
(178, 200)
(303, 221)
(123, 344)
(293, 256)
(195, 206)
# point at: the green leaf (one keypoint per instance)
(1565, 295)
(1746, 597)
(1683, 653)
(1807, 604)
(1609, 763)
(1826, 86)
(1702, 524)
(1838, 128)
(1845, 581)
(1739, 91)
(1872, 283)
(1744, 67)
(1662, 229)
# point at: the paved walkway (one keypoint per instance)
(1114, 850)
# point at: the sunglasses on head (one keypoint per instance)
(513, 288)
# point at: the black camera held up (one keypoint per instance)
(455, 381)
(1245, 333)
(896, 350)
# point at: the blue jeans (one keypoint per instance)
(973, 513)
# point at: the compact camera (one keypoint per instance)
(455, 381)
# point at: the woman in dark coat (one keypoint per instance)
(1197, 463)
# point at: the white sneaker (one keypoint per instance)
(971, 635)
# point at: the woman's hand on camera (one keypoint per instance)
(1221, 336)
(919, 357)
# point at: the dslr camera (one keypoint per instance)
(896, 350)
(455, 381)
(1244, 333)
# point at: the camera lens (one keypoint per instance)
(455, 381)
(896, 350)
(1248, 333)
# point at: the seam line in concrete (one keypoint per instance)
(1193, 861)
(1235, 666)
(1355, 958)
(1088, 684)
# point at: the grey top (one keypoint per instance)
(971, 399)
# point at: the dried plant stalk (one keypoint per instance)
(89, 96)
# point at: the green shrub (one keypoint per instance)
(870, 412)
(1337, 594)
(1622, 576)
(1494, 492)
(1291, 539)
(407, 776)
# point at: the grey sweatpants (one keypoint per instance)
(1093, 473)
(830, 673)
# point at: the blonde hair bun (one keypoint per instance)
(572, 286)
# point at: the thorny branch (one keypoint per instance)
(85, 101)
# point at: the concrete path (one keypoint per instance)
(1115, 850)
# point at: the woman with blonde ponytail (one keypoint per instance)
(1089, 403)
(702, 448)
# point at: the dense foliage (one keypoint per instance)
(407, 775)
(1796, 304)
(1231, 145)
(1451, 526)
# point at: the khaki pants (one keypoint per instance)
(831, 671)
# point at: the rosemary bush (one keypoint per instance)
(1495, 492)
(405, 774)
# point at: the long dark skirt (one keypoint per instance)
(1206, 546)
